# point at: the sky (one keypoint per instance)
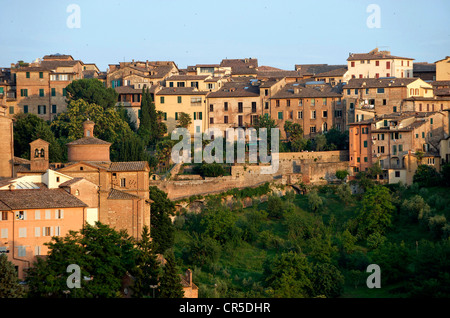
(278, 33)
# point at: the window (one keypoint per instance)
(57, 230)
(42, 109)
(377, 63)
(240, 122)
(388, 65)
(225, 119)
(277, 103)
(380, 136)
(211, 120)
(4, 234)
(352, 64)
(367, 91)
(313, 114)
(253, 107)
(211, 107)
(21, 251)
(179, 99)
(313, 102)
(325, 114)
(53, 109)
(431, 121)
(22, 232)
(11, 110)
(348, 91)
(266, 92)
(365, 143)
(194, 84)
(288, 103)
(299, 115)
(394, 109)
(380, 149)
(180, 84)
(64, 92)
(365, 159)
(170, 84)
(400, 148)
(20, 215)
(312, 129)
(24, 92)
(324, 101)
(48, 214)
(380, 90)
(27, 74)
(394, 149)
(240, 107)
(210, 85)
(41, 92)
(356, 91)
(4, 216)
(225, 106)
(41, 74)
(377, 75)
(59, 214)
(266, 105)
(388, 74)
(161, 99)
(196, 101)
(280, 115)
(53, 91)
(46, 231)
(358, 159)
(123, 182)
(397, 174)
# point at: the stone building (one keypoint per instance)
(122, 199)
(316, 106)
(376, 64)
(6, 145)
(395, 140)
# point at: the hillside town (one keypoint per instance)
(389, 112)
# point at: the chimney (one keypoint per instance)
(189, 277)
(88, 128)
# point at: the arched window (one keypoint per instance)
(36, 153)
(325, 127)
(42, 153)
(417, 91)
(411, 91)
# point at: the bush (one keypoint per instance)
(275, 206)
(415, 208)
(436, 224)
(315, 202)
(427, 176)
(212, 170)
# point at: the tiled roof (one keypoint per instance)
(335, 72)
(375, 55)
(39, 199)
(239, 63)
(70, 182)
(89, 141)
(297, 91)
(279, 74)
(129, 166)
(236, 89)
(115, 194)
(180, 91)
(314, 69)
(186, 77)
(379, 82)
(127, 90)
(424, 67)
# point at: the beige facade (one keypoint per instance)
(376, 64)
(443, 69)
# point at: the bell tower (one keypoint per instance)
(39, 159)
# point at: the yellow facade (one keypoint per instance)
(443, 69)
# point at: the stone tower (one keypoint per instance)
(6, 145)
(39, 159)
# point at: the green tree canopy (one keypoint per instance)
(184, 120)
(92, 91)
(426, 176)
(9, 282)
(162, 229)
(170, 286)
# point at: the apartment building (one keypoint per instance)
(236, 105)
(175, 100)
(376, 64)
(200, 82)
(6, 144)
(316, 106)
(393, 140)
(246, 67)
(31, 213)
(41, 85)
(367, 97)
(139, 74)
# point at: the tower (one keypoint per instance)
(6, 145)
(39, 160)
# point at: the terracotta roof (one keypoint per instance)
(186, 77)
(128, 166)
(375, 55)
(239, 63)
(115, 194)
(88, 141)
(335, 72)
(180, 91)
(70, 182)
(379, 82)
(297, 91)
(279, 74)
(39, 199)
(313, 69)
(236, 89)
(4, 207)
(18, 160)
(128, 90)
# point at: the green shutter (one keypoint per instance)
(195, 117)
(176, 116)
(161, 99)
(179, 99)
(64, 92)
(200, 115)
(53, 92)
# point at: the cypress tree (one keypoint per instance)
(9, 282)
(170, 286)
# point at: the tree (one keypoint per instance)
(288, 275)
(92, 91)
(294, 135)
(415, 208)
(337, 138)
(315, 202)
(162, 229)
(342, 174)
(375, 213)
(147, 271)
(445, 172)
(103, 254)
(130, 148)
(9, 282)
(320, 142)
(109, 126)
(149, 128)
(267, 123)
(344, 192)
(327, 280)
(426, 176)
(29, 127)
(184, 120)
(170, 286)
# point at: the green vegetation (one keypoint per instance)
(320, 244)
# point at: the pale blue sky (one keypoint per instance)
(278, 33)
